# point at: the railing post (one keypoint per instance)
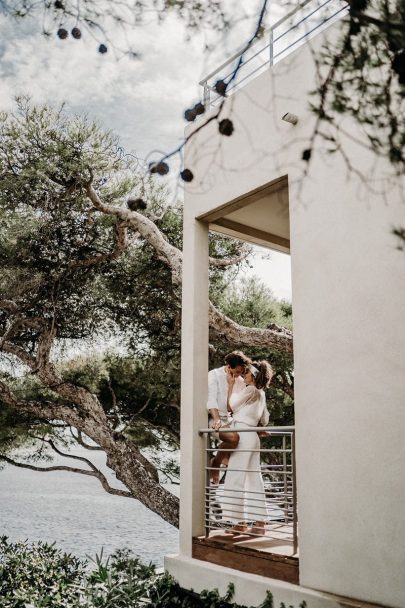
(285, 481)
(206, 95)
(294, 492)
(271, 46)
(207, 505)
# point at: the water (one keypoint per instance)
(75, 512)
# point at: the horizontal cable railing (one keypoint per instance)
(258, 499)
(294, 29)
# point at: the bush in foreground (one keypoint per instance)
(38, 575)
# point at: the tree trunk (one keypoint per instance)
(123, 457)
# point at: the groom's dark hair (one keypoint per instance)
(235, 358)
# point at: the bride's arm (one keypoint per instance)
(264, 420)
(265, 417)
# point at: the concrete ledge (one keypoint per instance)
(251, 589)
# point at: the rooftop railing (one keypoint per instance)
(294, 29)
(238, 505)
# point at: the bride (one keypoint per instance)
(243, 495)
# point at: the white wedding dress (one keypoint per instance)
(243, 496)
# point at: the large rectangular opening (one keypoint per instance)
(260, 218)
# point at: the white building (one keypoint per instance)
(348, 286)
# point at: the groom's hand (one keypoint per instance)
(230, 377)
(216, 420)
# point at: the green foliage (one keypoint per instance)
(46, 222)
(48, 229)
(120, 581)
(134, 391)
(16, 428)
(42, 576)
(135, 398)
(363, 76)
(249, 302)
(38, 574)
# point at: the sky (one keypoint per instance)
(142, 100)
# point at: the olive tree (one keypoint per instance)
(81, 231)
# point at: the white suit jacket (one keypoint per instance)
(218, 390)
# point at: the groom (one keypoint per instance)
(217, 405)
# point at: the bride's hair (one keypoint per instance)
(263, 378)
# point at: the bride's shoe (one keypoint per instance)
(258, 528)
(240, 527)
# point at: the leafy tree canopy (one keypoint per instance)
(362, 76)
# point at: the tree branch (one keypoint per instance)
(79, 439)
(131, 467)
(8, 305)
(94, 473)
(280, 339)
(45, 410)
(120, 244)
(45, 343)
(146, 228)
(224, 262)
(20, 323)
(383, 25)
(20, 353)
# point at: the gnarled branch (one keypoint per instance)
(278, 339)
(146, 228)
(43, 410)
(45, 344)
(8, 305)
(281, 382)
(120, 244)
(79, 439)
(19, 352)
(93, 473)
(225, 262)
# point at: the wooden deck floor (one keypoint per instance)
(272, 557)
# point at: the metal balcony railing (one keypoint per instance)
(294, 29)
(275, 507)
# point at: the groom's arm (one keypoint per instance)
(212, 405)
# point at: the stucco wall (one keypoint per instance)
(348, 284)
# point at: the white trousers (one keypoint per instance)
(243, 495)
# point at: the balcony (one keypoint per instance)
(271, 548)
(296, 28)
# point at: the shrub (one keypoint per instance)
(38, 575)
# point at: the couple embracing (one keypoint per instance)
(236, 400)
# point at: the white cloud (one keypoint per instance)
(142, 100)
